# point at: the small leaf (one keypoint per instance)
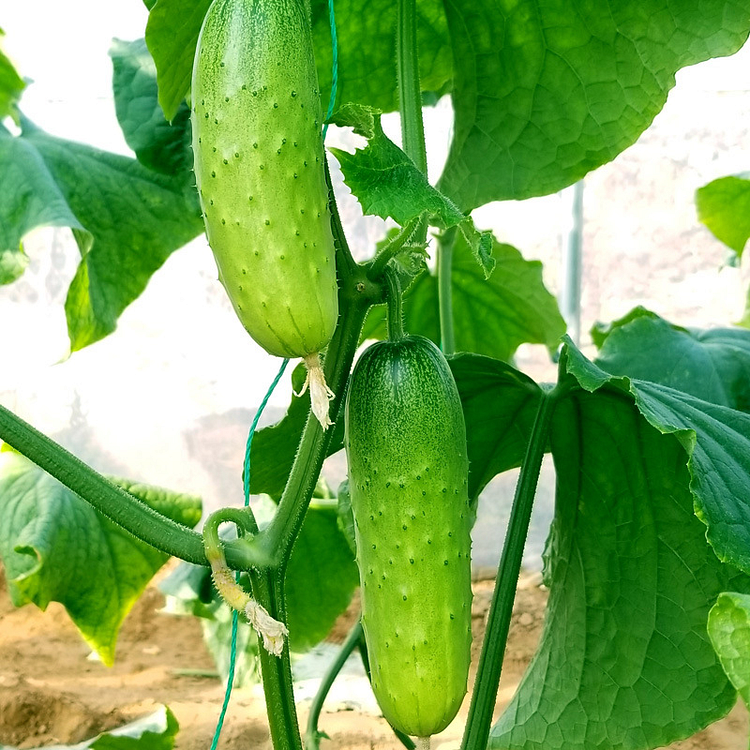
(56, 547)
(492, 317)
(729, 630)
(158, 145)
(12, 265)
(724, 207)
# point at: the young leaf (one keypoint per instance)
(11, 87)
(491, 317)
(713, 365)
(724, 207)
(126, 219)
(274, 448)
(158, 145)
(56, 547)
(388, 184)
(729, 630)
(544, 91)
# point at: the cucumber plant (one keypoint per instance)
(652, 461)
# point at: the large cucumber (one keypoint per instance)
(408, 468)
(259, 169)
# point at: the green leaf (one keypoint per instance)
(274, 448)
(713, 365)
(729, 630)
(56, 547)
(387, 183)
(11, 87)
(366, 31)
(127, 220)
(366, 49)
(491, 317)
(545, 91)
(156, 731)
(172, 36)
(29, 198)
(625, 660)
(499, 404)
(321, 578)
(12, 265)
(158, 145)
(345, 515)
(724, 207)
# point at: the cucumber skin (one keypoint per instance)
(258, 153)
(408, 479)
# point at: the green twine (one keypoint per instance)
(254, 425)
(246, 481)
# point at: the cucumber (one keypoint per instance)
(258, 155)
(408, 480)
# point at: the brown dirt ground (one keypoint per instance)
(51, 693)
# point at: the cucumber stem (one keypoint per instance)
(311, 734)
(445, 291)
(395, 313)
(498, 623)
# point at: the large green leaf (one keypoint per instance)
(729, 630)
(546, 90)
(625, 660)
(713, 365)
(366, 49)
(127, 220)
(159, 145)
(724, 207)
(490, 316)
(499, 405)
(29, 198)
(11, 87)
(56, 547)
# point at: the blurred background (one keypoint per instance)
(168, 398)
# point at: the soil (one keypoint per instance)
(51, 692)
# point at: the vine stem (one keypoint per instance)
(409, 89)
(445, 290)
(498, 623)
(351, 642)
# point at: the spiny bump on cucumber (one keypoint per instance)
(258, 147)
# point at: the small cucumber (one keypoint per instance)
(408, 470)
(259, 170)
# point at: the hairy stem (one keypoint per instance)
(445, 291)
(409, 89)
(395, 315)
(498, 623)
